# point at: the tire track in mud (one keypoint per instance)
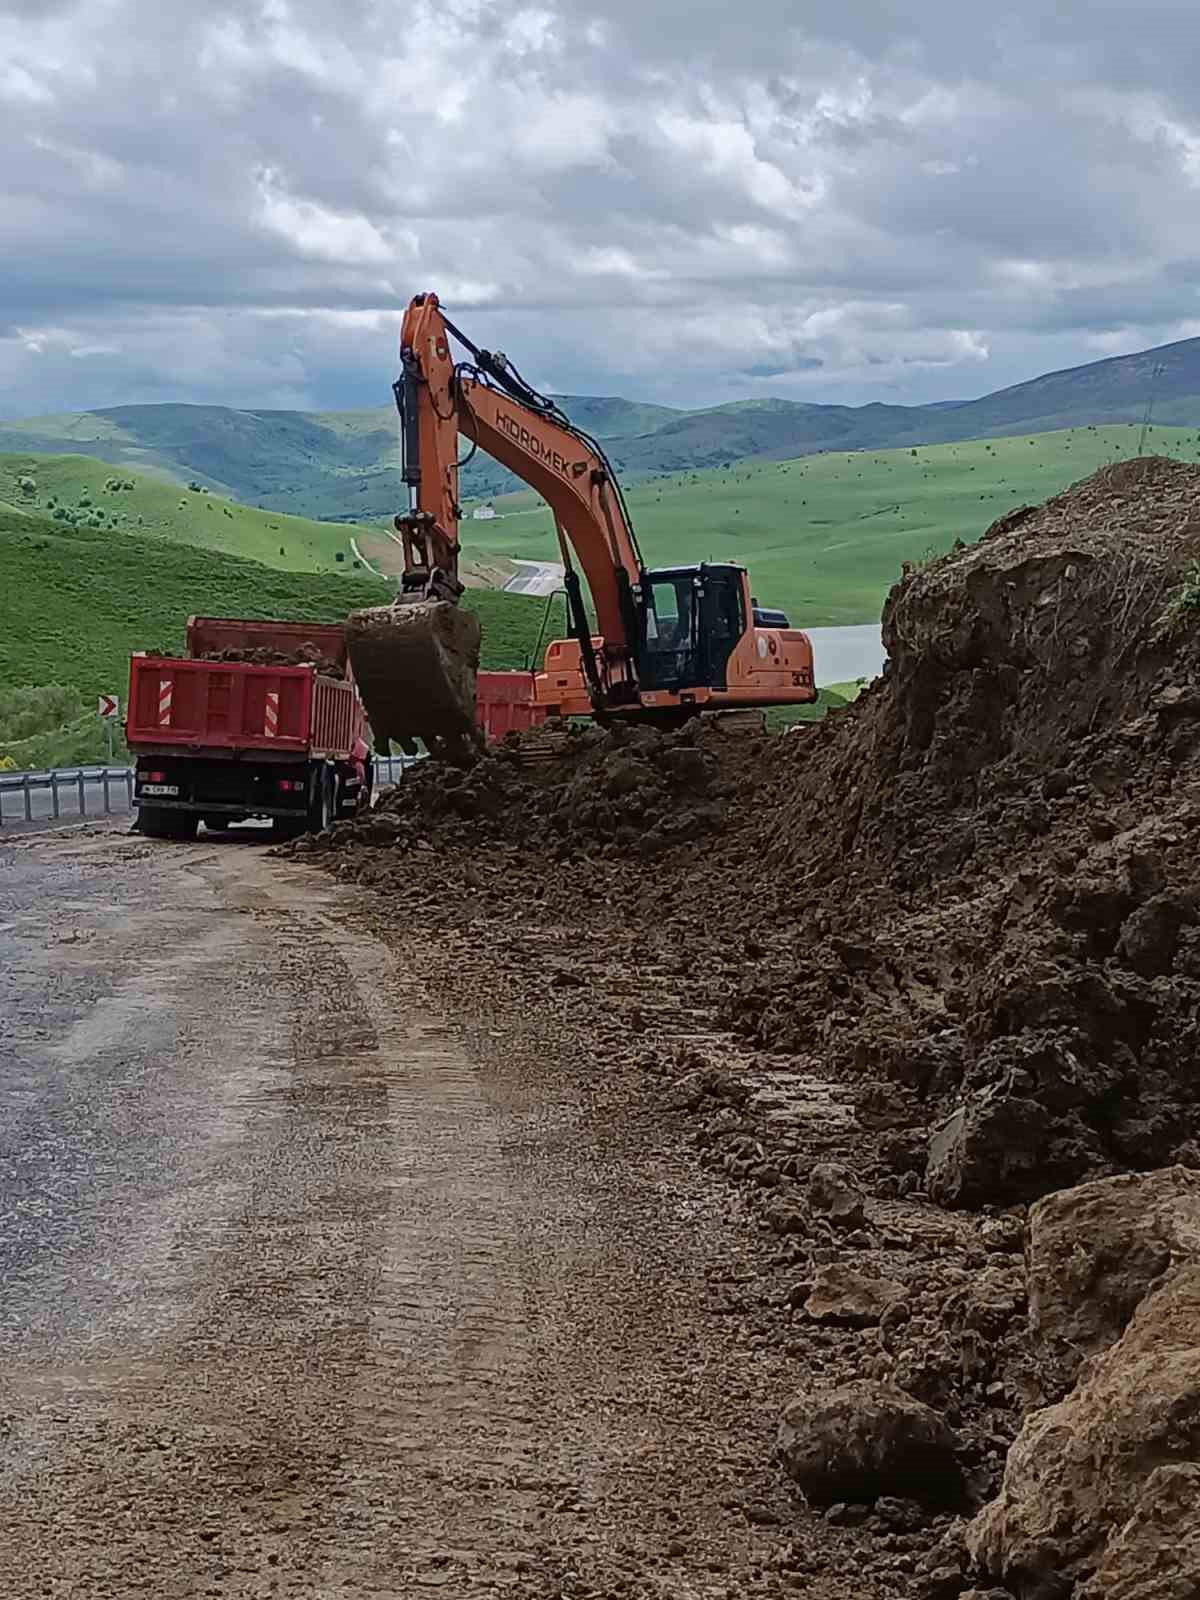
(399, 1320)
(339, 1390)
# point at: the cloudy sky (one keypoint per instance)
(232, 200)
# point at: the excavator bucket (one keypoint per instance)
(415, 664)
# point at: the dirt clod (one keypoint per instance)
(851, 1299)
(261, 656)
(868, 1439)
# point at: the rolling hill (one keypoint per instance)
(344, 465)
(76, 601)
(78, 489)
(824, 536)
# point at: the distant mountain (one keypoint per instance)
(344, 466)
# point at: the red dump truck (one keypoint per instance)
(260, 719)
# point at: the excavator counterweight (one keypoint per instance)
(661, 645)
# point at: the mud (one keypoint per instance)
(887, 980)
(978, 886)
(561, 792)
(306, 1294)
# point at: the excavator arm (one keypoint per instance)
(484, 400)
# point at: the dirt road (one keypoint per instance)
(305, 1295)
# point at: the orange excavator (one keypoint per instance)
(667, 644)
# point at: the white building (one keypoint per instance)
(484, 513)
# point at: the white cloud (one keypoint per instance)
(19, 85)
(323, 235)
(234, 200)
(726, 150)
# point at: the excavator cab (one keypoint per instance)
(691, 620)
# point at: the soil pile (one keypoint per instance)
(558, 793)
(998, 846)
(979, 884)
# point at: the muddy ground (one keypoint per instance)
(310, 1289)
(494, 1192)
(888, 981)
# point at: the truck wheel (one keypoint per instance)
(323, 811)
(156, 822)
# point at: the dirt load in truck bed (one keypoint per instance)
(260, 656)
(979, 884)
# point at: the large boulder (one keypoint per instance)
(868, 1439)
(1095, 1252)
(1156, 1555)
(1079, 1497)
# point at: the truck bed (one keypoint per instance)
(233, 706)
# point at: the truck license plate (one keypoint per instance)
(160, 788)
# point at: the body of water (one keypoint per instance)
(843, 654)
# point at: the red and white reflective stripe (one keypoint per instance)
(271, 720)
(166, 690)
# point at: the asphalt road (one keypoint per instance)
(261, 1257)
(537, 578)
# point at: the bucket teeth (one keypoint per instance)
(415, 666)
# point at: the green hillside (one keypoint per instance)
(344, 466)
(824, 536)
(334, 466)
(76, 601)
(78, 488)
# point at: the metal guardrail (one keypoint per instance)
(61, 783)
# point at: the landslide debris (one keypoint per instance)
(562, 792)
(998, 846)
(976, 889)
(1100, 1489)
(952, 938)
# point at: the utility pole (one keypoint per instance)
(1155, 374)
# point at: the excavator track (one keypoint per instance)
(415, 664)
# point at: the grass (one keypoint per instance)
(121, 501)
(831, 698)
(824, 536)
(80, 742)
(75, 602)
(1184, 604)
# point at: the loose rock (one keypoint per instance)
(868, 1439)
(851, 1299)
